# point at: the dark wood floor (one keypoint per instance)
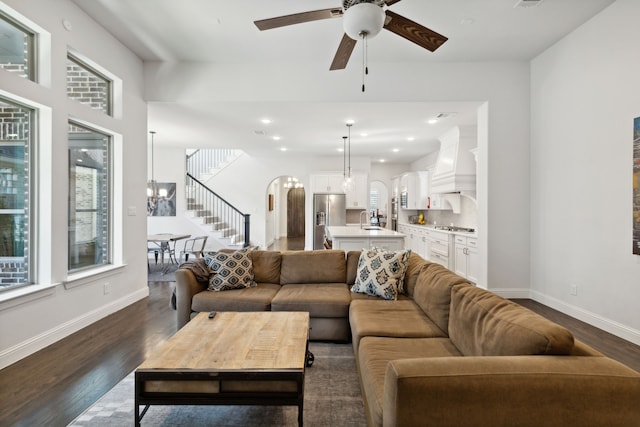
(55, 385)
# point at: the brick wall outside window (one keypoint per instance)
(88, 88)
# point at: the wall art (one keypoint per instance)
(163, 200)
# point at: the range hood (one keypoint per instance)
(455, 170)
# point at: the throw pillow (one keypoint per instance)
(405, 265)
(230, 270)
(380, 272)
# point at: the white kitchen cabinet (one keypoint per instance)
(387, 244)
(351, 244)
(416, 239)
(415, 186)
(358, 195)
(327, 183)
(467, 260)
(440, 247)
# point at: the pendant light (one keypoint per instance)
(348, 182)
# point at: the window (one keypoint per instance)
(15, 147)
(16, 48)
(87, 86)
(373, 199)
(89, 198)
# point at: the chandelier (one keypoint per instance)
(292, 183)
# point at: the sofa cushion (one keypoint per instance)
(319, 266)
(484, 324)
(414, 267)
(319, 299)
(382, 318)
(230, 271)
(352, 266)
(266, 266)
(375, 354)
(432, 292)
(381, 273)
(257, 298)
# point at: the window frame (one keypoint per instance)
(30, 203)
(32, 37)
(110, 203)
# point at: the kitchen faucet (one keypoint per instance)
(362, 212)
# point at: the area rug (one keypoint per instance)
(331, 398)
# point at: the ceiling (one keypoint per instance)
(206, 31)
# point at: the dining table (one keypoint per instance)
(165, 241)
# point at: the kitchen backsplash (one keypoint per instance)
(466, 218)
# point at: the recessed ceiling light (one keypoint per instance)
(341, 149)
(395, 150)
(276, 138)
(364, 134)
(381, 160)
(467, 21)
(432, 121)
(283, 149)
(350, 121)
(410, 138)
(266, 121)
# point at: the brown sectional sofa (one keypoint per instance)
(445, 354)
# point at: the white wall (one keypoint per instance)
(504, 212)
(33, 321)
(584, 98)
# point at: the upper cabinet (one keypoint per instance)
(414, 190)
(455, 169)
(357, 195)
(327, 183)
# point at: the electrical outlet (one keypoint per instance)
(106, 288)
(573, 289)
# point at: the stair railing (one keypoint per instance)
(202, 161)
(216, 206)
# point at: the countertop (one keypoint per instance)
(432, 227)
(345, 231)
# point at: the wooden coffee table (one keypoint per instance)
(248, 358)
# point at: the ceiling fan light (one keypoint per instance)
(362, 18)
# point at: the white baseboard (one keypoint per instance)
(593, 319)
(515, 293)
(38, 342)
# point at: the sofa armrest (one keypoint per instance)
(513, 390)
(186, 287)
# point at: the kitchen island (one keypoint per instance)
(356, 238)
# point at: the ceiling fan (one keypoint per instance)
(362, 19)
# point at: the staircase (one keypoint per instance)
(221, 221)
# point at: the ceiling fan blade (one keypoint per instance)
(390, 2)
(343, 54)
(298, 18)
(414, 32)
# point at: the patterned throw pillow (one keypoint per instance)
(380, 273)
(230, 270)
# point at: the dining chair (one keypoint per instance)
(193, 246)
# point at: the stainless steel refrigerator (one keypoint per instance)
(329, 210)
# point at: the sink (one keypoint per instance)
(372, 228)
